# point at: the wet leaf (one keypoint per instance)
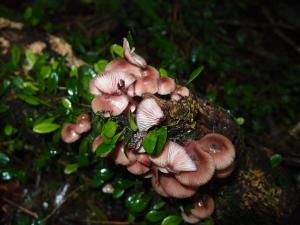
(100, 65)
(276, 160)
(66, 103)
(71, 168)
(159, 205)
(30, 99)
(45, 127)
(150, 141)
(106, 174)
(116, 51)
(108, 147)
(172, 220)
(195, 74)
(118, 193)
(162, 134)
(137, 202)
(109, 129)
(155, 216)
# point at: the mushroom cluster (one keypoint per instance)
(129, 84)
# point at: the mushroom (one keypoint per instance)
(83, 123)
(121, 158)
(120, 64)
(68, 133)
(225, 172)
(179, 92)
(143, 159)
(110, 82)
(109, 105)
(205, 167)
(108, 189)
(166, 85)
(157, 187)
(97, 142)
(219, 147)
(188, 218)
(131, 56)
(175, 189)
(148, 114)
(148, 83)
(203, 208)
(174, 159)
(138, 168)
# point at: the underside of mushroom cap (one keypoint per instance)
(189, 218)
(110, 82)
(121, 158)
(203, 208)
(157, 186)
(110, 105)
(138, 168)
(225, 172)
(131, 56)
(121, 64)
(219, 147)
(175, 189)
(148, 114)
(68, 133)
(205, 167)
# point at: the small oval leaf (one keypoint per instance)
(195, 74)
(44, 128)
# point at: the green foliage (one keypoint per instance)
(195, 74)
(155, 140)
(276, 160)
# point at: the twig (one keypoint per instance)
(23, 209)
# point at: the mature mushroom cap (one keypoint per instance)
(219, 147)
(148, 114)
(131, 56)
(138, 168)
(175, 189)
(109, 105)
(121, 158)
(143, 159)
(97, 142)
(68, 133)
(225, 172)
(121, 64)
(83, 123)
(179, 92)
(146, 85)
(157, 187)
(205, 167)
(203, 209)
(166, 85)
(174, 158)
(110, 82)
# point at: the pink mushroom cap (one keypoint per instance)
(68, 133)
(179, 92)
(83, 123)
(123, 65)
(138, 168)
(189, 218)
(203, 209)
(148, 114)
(219, 147)
(148, 83)
(131, 56)
(205, 167)
(157, 187)
(225, 172)
(110, 105)
(166, 85)
(121, 158)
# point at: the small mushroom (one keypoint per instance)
(174, 159)
(166, 85)
(138, 168)
(110, 82)
(203, 208)
(121, 158)
(157, 187)
(219, 147)
(179, 92)
(148, 114)
(189, 218)
(131, 56)
(68, 133)
(148, 83)
(110, 105)
(121, 64)
(175, 189)
(225, 172)
(205, 167)
(83, 123)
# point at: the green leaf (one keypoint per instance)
(31, 58)
(4, 159)
(155, 216)
(276, 160)
(130, 39)
(150, 141)
(162, 134)
(208, 221)
(44, 72)
(73, 71)
(109, 129)
(53, 82)
(163, 72)
(159, 205)
(116, 51)
(118, 193)
(108, 147)
(195, 74)
(8, 129)
(44, 128)
(30, 99)
(3, 107)
(240, 121)
(15, 55)
(31, 86)
(137, 202)
(100, 65)
(106, 174)
(66, 103)
(131, 122)
(71, 168)
(172, 220)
